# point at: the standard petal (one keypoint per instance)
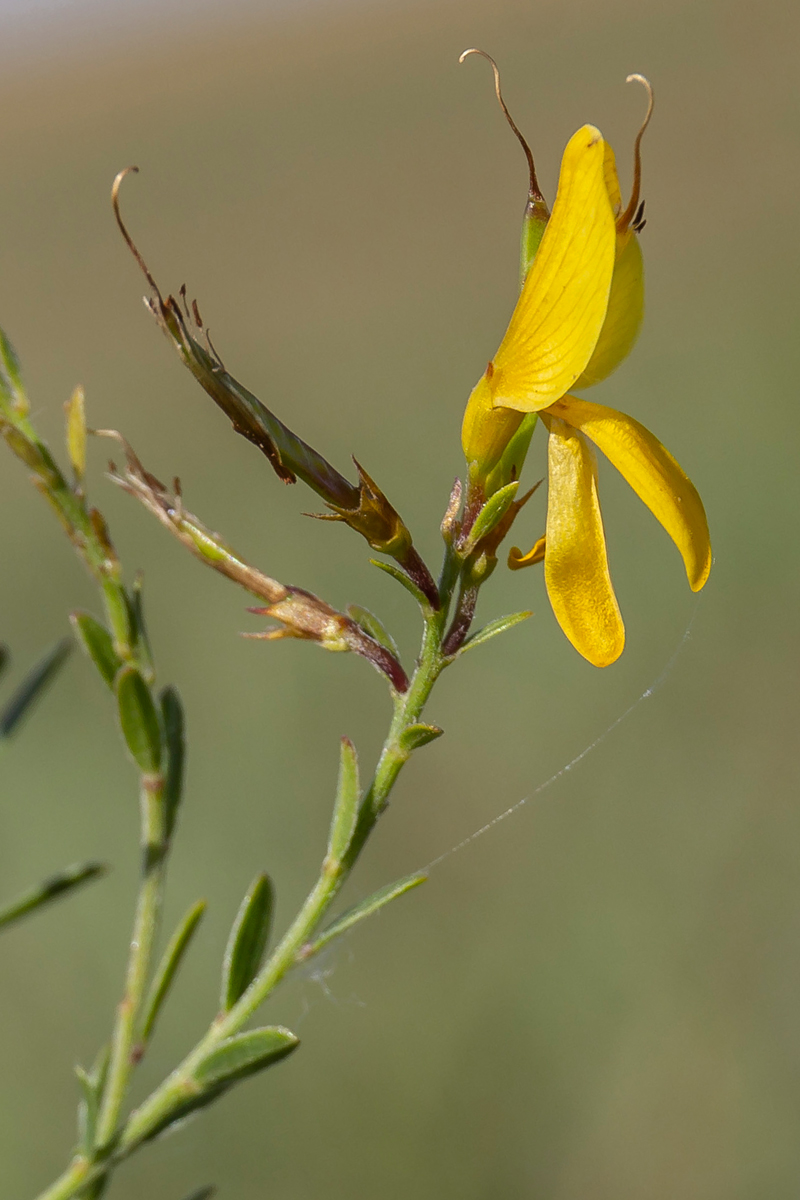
(653, 474)
(612, 180)
(575, 562)
(560, 312)
(624, 314)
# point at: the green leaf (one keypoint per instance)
(138, 624)
(418, 735)
(87, 1111)
(242, 1055)
(247, 941)
(345, 812)
(237, 1057)
(138, 719)
(32, 687)
(50, 889)
(167, 969)
(492, 512)
(492, 629)
(11, 389)
(175, 743)
(360, 911)
(375, 628)
(98, 644)
(91, 1084)
(403, 579)
(5, 657)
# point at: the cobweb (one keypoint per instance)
(324, 968)
(573, 762)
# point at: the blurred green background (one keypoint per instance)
(601, 997)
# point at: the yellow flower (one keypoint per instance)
(577, 318)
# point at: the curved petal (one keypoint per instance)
(560, 312)
(575, 562)
(653, 474)
(517, 560)
(624, 315)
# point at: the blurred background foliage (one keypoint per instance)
(600, 997)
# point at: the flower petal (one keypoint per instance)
(517, 560)
(486, 431)
(557, 321)
(612, 180)
(624, 314)
(653, 474)
(575, 562)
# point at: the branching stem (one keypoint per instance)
(152, 1113)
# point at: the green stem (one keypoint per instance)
(145, 926)
(82, 1171)
(72, 1182)
(333, 875)
(168, 1097)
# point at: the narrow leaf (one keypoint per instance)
(492, 512)
(138, 623)
(174, 741)
(239, 1056)
(98, 644)
(11, 389)
(50, 889)
(87, 1111)
(32, 687)
(243, 1055)
(167, 969)
(345, 812)
(75, 409)
(247, 941)
(138, 719)
(419, 735)
(374, 627)
(91, 1083)
(492, 629)
(359, 911)
(403, 579)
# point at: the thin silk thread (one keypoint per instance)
(646, 694)
(323, 969)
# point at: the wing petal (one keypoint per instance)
(653, 474)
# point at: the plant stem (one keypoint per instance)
(71, 1183)
(408, 709)
(145, 926)
(155, 847)
(168, 1097)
